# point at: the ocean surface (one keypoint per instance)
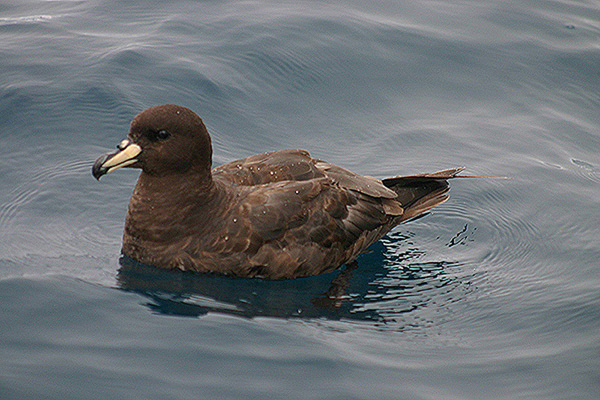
(492, 295)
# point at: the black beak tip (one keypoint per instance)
(98, 170)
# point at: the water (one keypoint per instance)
(493, 295)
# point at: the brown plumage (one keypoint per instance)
(276, 215)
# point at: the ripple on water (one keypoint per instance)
(415, 291)
(587, 170)
(280, 67)
(43, 213)
(28, 19)
(497, 209)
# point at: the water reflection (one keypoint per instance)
(381, 286)
(183, 293)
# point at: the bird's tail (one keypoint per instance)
(420, 193)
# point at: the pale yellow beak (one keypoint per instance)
(126, 155)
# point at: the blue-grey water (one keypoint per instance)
(493, 295)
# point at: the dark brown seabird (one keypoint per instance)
(276, 215)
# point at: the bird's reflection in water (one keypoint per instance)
(191, 294)
(337, 294)
(381, 286)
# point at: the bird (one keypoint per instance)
(277, 215)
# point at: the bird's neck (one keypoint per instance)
(180, 189)
(163, 207)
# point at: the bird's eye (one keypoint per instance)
(162, 134)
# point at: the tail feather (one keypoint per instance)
(420, 193)
(425, 204)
